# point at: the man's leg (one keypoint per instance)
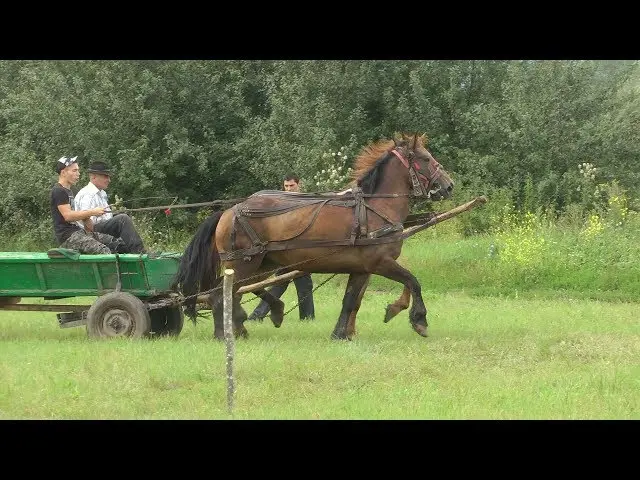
(304, 287)
(121, 226)
(115, 245)
(263, 307)
(86, 243)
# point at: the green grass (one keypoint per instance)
(606, 268)
(485, 358)
(553, 334)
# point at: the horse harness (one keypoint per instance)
(288, 201)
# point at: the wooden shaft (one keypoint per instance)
(37, 307)
(407, 232)
(257, 286)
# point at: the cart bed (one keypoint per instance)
(34, 274)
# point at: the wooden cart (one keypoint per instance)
(127, 286)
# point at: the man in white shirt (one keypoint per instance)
(93, 195)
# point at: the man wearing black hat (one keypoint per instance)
(93, 195)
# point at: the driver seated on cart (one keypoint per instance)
(68, 233)
(93, 195)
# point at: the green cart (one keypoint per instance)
(135, 295)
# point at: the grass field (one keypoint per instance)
(535, 323)
(486, 358)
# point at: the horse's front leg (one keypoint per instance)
(276, 306)
(351, 323)
(349, 301)
(391, 269)
(402, 303)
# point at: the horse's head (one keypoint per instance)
(426, 175)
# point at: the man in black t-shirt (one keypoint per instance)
(68, 234)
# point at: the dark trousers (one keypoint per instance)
(304, 287)
(121, 226)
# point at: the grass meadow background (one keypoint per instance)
(529, 322)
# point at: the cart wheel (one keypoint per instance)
(167, 321)
(118, 314)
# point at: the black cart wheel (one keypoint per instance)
(167, 321)
(118, 314)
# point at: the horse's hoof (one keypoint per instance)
(336, 336)
(420, 329)
(276, 320)
(241, 334)
(277, 315)
(389, 313)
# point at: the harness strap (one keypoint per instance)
(279, 210)
(255, 239)
(359, 216)
(313, 219)
(386, 229)
(298, 244)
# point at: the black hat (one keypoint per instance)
(99, 167)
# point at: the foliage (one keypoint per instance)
(211, 129)
(519, 243)
(335, 173)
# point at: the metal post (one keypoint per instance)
(227, 292)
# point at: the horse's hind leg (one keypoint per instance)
(351, 323)
(276, 306)
(216, 301)
(400, 304)
(238, 315)
(349, 301)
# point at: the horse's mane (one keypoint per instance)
(368, 165)
(369, 157)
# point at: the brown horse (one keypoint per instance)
(359, 233)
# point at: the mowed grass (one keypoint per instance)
(485, 358)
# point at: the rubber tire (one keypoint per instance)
(122, 308)
(167, 321)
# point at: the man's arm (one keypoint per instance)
(75, 215)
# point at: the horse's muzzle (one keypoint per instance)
(441, 193)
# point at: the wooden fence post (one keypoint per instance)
(227, 292)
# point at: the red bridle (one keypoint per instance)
(421, 184)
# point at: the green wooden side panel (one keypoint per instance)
(34, 274)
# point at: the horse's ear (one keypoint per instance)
(415, 141)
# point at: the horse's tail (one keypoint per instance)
(200, 264)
